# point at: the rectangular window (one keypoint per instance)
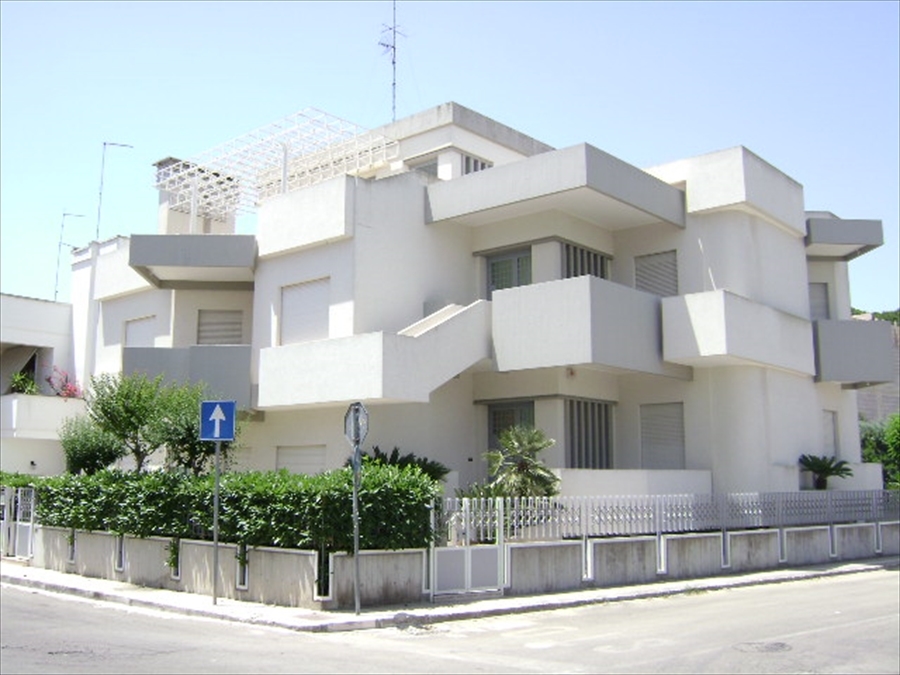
(662, 436)
(588, 434)
(502, 416)
(657, 273)
(220, 327)
(140, 332)
(304, 311)
(473, 164)
(818, 301)
(579, 261)
(308, 459)
(509, 270)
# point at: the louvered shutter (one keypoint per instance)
(657, 273)
(662, 436)
(220, 327)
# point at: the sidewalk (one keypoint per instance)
(21, 574)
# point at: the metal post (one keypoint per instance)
(62, 226)
(356, 468)
(215, 570)
(102, 166)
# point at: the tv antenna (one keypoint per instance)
(392, 48)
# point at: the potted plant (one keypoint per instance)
(23, 383)
(822, 468)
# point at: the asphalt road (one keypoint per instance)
(841, 624)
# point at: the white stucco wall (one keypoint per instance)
(186, 306)
(403, 265)
(114, 313)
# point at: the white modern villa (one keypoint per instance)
(677, 329)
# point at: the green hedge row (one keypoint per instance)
(256, 509)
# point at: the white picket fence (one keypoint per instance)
(470, 521)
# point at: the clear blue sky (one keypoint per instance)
(811, 87)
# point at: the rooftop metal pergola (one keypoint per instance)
(303, 149)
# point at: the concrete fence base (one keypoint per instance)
(289, 577)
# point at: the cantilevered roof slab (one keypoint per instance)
(582, 181)
(838, 239)
(195, 261)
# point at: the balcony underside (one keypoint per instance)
(195, 261)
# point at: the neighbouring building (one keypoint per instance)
(683, 328)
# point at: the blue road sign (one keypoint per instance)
(217, 420)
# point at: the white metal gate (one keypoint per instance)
(469, 554)
(18, 522)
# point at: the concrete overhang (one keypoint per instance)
(838, 239)
(195, 261)
(582, 181)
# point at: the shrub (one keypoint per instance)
(256, 508)
(87, 447)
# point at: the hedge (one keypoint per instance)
(256, 508)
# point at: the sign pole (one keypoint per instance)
(356, 426)
(356, 468)
(217, 423)
(215, 569)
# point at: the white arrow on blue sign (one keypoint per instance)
(217, 420)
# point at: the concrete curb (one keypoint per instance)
(261, 615)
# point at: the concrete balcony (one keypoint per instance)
(36, 417)
(376, 367)
(581, 321)
(195, 261)
(224, 368)
(855, 353)
(837, 239)
(718, 328)
(581, 181)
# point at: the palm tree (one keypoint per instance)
(515, 468)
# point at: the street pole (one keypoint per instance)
(356, 469)
(215, 569)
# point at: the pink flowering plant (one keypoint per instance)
(63, 386)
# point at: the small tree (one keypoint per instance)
(87, 447)
(181, 434)
(515, 468)
(132, 408)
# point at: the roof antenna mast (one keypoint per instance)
(392, 48)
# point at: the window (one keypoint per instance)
(509, 270)
(588, 434)
(140, 332)
(502, 416)
(308, 459)
(220, 327)
(662, 436)
(657, 273)
(818, 301)
(304, 311)
(578, 261)
(473, 164)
